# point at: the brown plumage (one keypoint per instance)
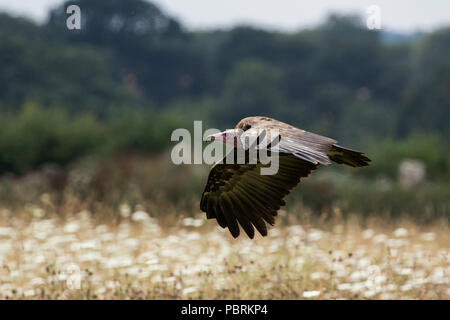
(237, 194)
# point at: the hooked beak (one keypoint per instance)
(227, 137)
(214, 137)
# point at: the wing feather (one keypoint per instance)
(241, 215)
(230, 218)
(252, 211)
(237, 194)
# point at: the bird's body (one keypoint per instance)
(237, 193)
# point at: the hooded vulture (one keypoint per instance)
(236, 192)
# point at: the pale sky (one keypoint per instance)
(287, 15)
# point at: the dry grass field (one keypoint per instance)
(101, 235)
(141, 258)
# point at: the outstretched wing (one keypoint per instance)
(300, 143)
(238, 193)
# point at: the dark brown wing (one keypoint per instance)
(238, 193)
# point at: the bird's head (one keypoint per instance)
(251, 127)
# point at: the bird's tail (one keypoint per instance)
(349, 157)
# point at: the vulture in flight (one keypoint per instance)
(238, 194)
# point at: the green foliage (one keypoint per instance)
(65, 94)
(141, 132)
(133, 54)
(427, 101)
(253, 87)
(371, 117)
(36, 68)
(39, 135)
(433, 150)
(371, 196)
(36, 136)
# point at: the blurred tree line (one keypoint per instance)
(133, 73)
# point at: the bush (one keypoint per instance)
(433, 150)
(35, 136)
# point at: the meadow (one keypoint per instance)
(90, 233)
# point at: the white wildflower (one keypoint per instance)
(189, 290)
(380, 238)
(71, 227)
(311, 294)
(125, 210)
(344, 286)
(428, 236)
(4, 231)
(140, 216)
(387, 296)
(401, 232)
(368, 233)
(29, 293)
(314, 235)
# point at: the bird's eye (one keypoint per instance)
(246, 127)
